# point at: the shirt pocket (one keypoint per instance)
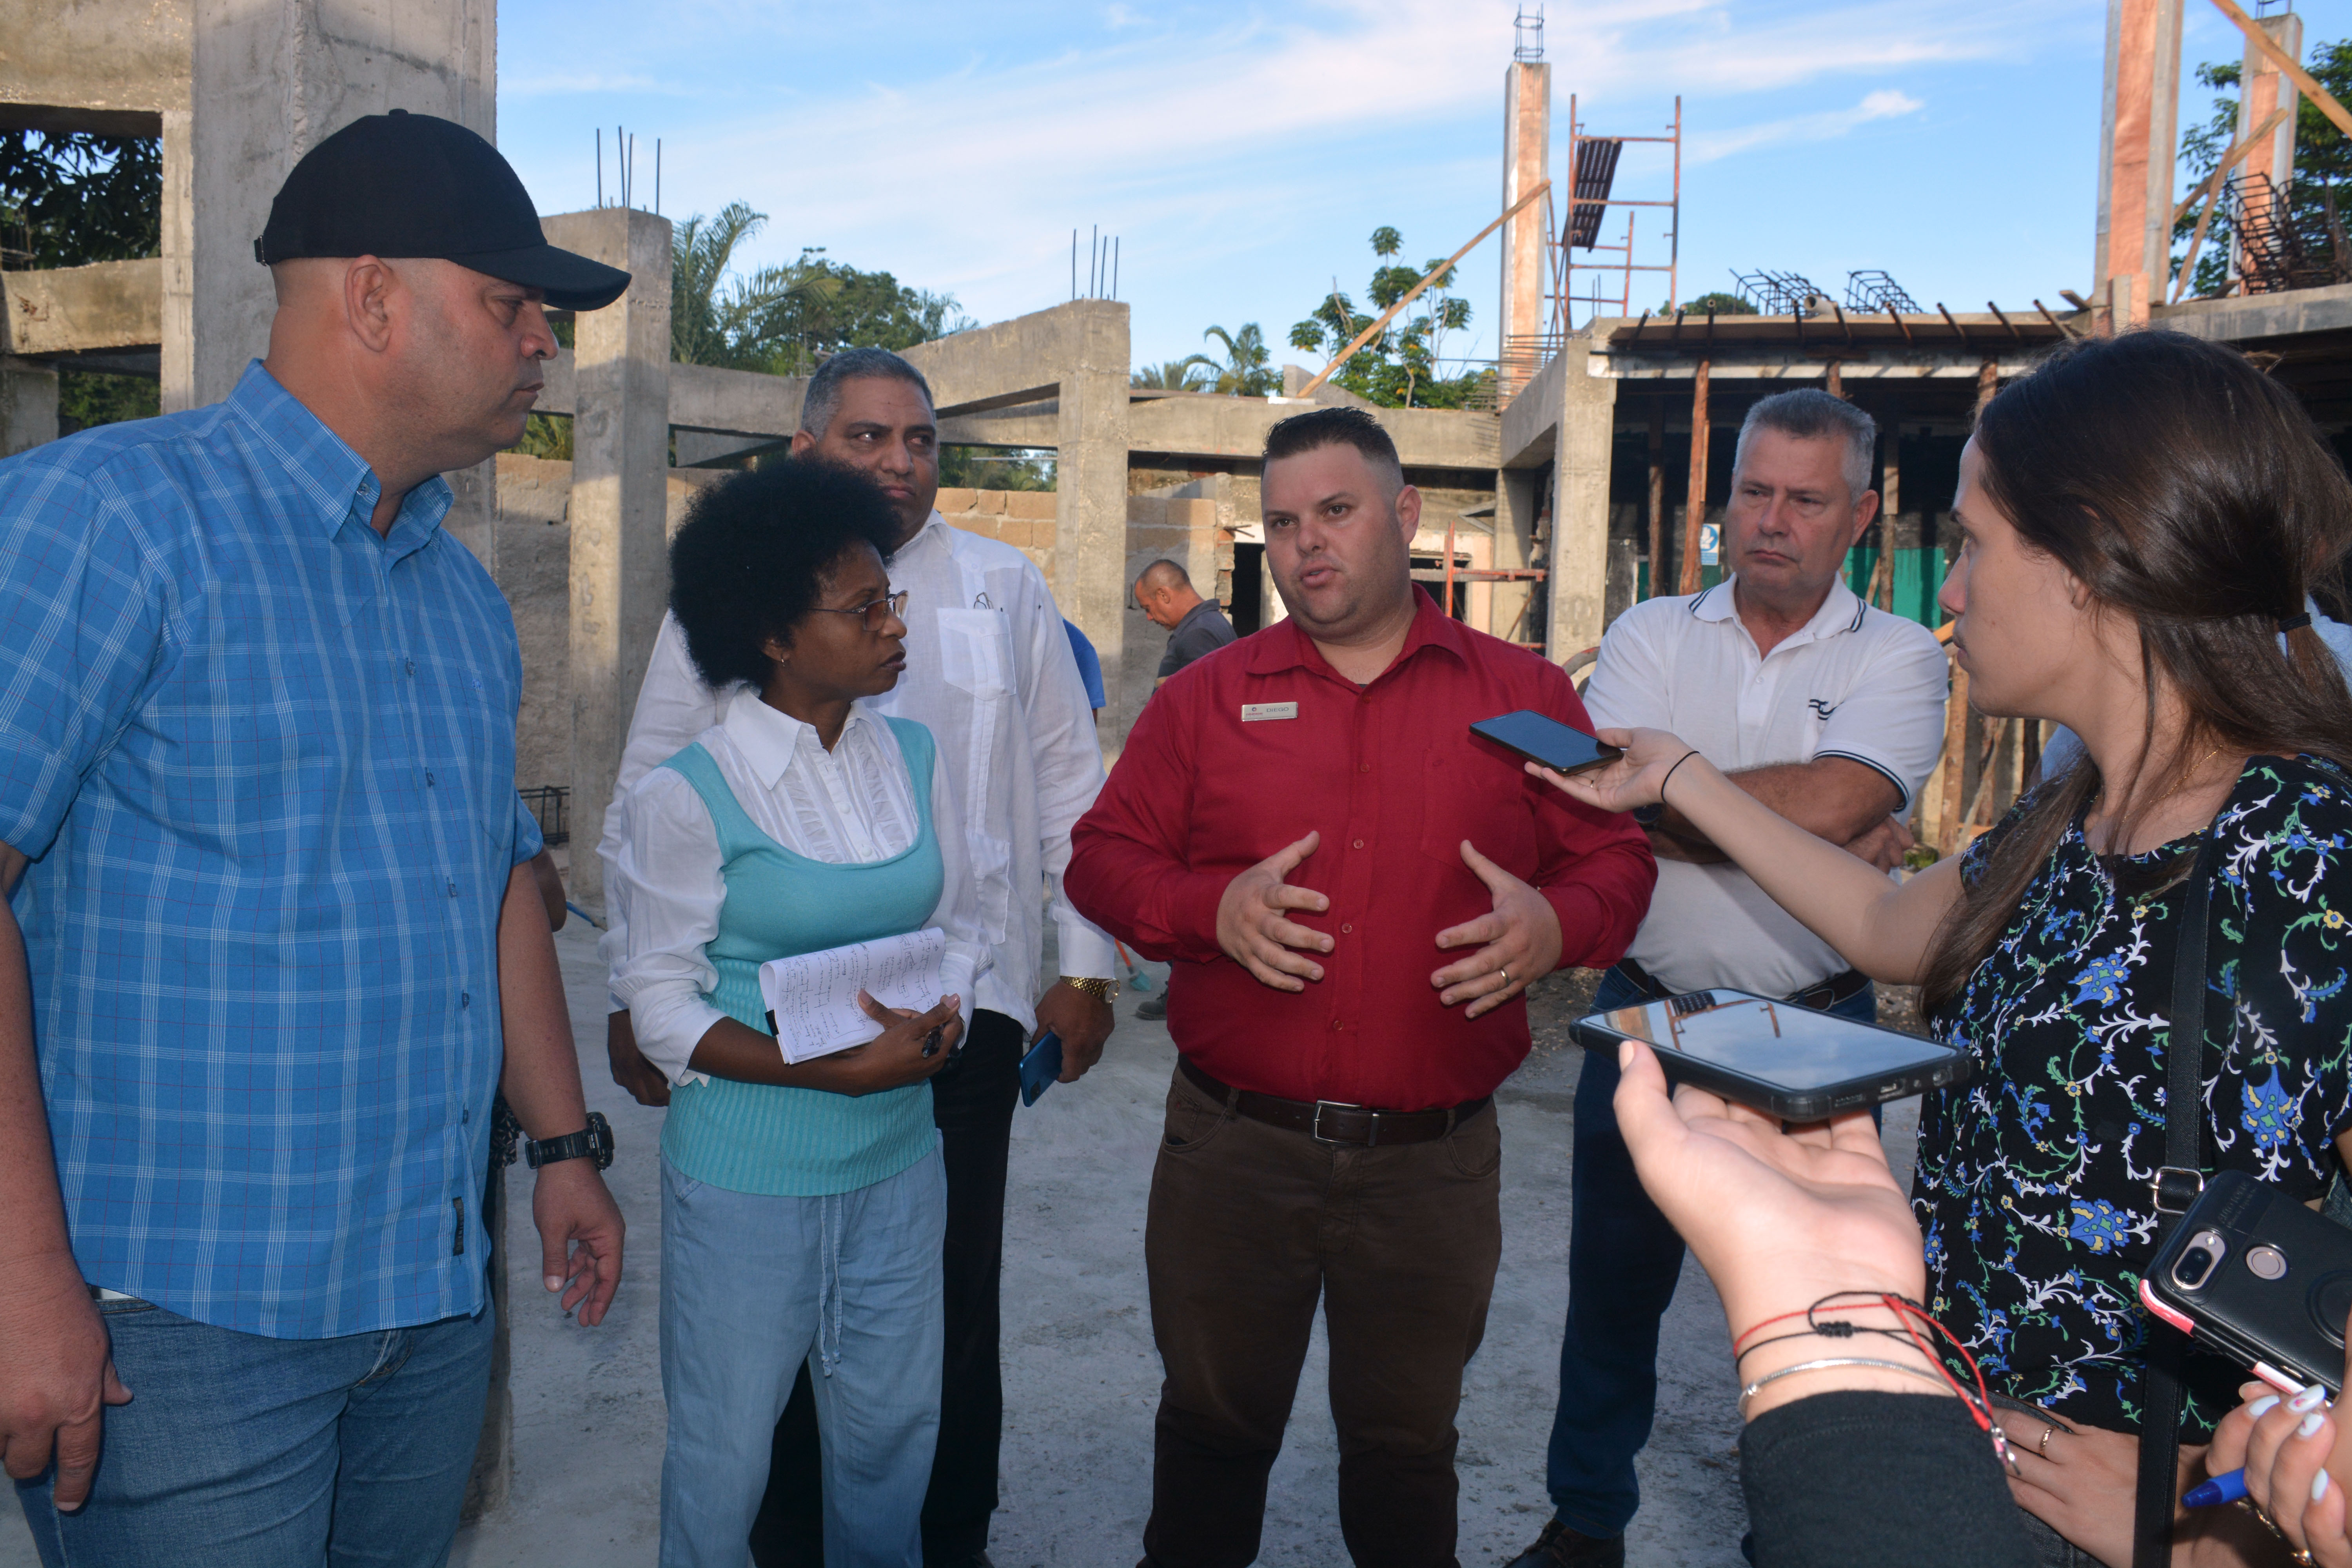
(1464, 796)
(976, 653)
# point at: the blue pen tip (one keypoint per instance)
(2221, 1489)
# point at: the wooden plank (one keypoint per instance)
(2286, 62)
(1695, 507)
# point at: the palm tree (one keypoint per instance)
(1175, 376)
(719, 318)
(1245, 373)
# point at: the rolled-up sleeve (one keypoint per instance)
(83, 607)
(667, 883)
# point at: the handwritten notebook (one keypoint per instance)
(812, 998)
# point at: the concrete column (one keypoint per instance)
(179, 236)
(620, 471)
(1091, 499)
(1527, 162)
(2263, 87)
(1518, 500)
(2137, 138)
(29, 406)
(1580, 521)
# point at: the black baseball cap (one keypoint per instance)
(414, 185)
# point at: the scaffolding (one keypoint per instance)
(1592, 191)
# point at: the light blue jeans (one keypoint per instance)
(752, 1286)
(238, 1451)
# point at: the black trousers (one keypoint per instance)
(972, 1099)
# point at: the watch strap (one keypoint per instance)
(593, 1141)
(1095, 986)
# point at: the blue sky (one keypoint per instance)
(1245, 153)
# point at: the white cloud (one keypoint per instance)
(557, 84)
(1885, 104)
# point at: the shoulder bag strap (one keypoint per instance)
(2177, 1184)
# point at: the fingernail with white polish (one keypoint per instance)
(2311, 1423)
(2319, 1486)
(2262, 1406)
(2311, 1398)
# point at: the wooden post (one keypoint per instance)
(1988, 383)
(1890, 502)
(1695, 507)
(1955, 763)
(1657, 496)
(1837, 380)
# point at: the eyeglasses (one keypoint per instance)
(876, 613)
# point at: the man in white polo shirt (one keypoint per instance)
(1827, 711)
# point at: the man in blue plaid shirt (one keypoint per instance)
(273, 943)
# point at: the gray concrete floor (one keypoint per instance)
(1081, 1376)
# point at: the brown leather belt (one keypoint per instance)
(1329, 1122)
(1826, 995)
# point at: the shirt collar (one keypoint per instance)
(1290, 646)
(1842, 611)
(934, 532)
(771, 739)
(335, 479)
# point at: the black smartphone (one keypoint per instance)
(2261, 1279)
(1041, 1068)
(1547, 741)
(1796, 1063)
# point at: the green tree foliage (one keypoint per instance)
(1247, 371)
(1401, 368)
(992, 469)
(1721, 303)
(1189, 373)
(2322, 163)
(71, 200)
(783, 319)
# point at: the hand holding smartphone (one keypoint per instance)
(1545, 740)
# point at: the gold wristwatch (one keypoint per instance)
(1100, 990)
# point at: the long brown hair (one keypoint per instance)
(2185, 489)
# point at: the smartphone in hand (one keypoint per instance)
(1545, 740)
(1041, 1068)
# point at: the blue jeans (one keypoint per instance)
(1623, 1261)
(239, 1451)
(751, 1288)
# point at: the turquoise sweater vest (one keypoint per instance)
(801, 1142)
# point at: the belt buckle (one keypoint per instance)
(2172, 1177)
(1315, 1128)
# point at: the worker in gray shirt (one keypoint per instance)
(1196, 626)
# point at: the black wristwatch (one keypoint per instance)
(594, 1141)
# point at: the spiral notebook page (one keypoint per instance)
(812, 998)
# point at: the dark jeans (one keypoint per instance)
(1249, 1225)
(972, 1099)
(1623, 1261)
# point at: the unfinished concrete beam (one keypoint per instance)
(108, 66)
(78, 310)
(29, 406)
(2137, 129)
(1579, 524)
(620, 469)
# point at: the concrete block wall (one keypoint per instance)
(1023, 519)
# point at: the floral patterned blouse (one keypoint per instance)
(2032, 1179)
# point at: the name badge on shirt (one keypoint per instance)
(1253, 712)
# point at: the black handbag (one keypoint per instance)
(2177, 1182)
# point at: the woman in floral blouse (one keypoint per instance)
(2140, 520)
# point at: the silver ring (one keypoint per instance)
(1506, 974)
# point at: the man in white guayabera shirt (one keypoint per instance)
(990, 672)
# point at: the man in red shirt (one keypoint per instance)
(1353, 891)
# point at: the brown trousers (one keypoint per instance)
(1249, 1225)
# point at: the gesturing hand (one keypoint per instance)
(1254, 933)
(1518, 942)
(1632, 779)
